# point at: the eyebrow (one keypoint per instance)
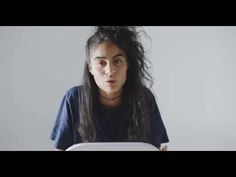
(101, 57)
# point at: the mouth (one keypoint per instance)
(111, 82)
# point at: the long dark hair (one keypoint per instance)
(134, 90)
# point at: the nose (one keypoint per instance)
(110, 70)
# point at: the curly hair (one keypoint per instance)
(134, 98)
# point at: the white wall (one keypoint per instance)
(192, 68)
(37, 66)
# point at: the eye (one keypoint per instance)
(118, 61)
(101, 63)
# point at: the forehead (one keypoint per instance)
(106, 50)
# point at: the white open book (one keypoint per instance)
(114, 146)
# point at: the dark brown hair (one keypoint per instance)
(134, 97)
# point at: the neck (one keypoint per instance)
(111, 100)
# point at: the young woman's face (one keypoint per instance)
(108, 65)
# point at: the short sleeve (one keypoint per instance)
(158, 130)
(62, 132)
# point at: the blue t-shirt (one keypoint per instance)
(112, 127)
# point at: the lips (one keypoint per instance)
(111, 83)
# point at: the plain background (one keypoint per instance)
(194, 83)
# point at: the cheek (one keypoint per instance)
(96, 70)
(123, 74)
(97, 75)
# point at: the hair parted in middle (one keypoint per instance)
(134, 94)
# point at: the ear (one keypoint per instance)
(89, 68)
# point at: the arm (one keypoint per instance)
(158, 130)
(62, 132)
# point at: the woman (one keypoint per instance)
(113, 104)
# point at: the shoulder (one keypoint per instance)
(72, 95)
(149, 95)
(73, 92)
(151, 100)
